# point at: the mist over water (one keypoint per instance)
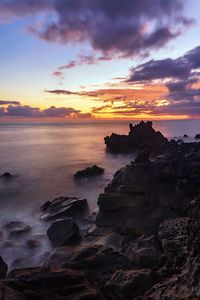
(44, 157)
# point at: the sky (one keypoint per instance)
(99, 59)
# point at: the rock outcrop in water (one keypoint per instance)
(89, 172)
(144, 243)
(141, 136)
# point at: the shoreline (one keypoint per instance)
(141, 243)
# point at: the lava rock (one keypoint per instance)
(141, 136)
(46, 284)
(197, 136)
(89, 172)
(62, 232)
(17, 228)
(6, 176)
(126, 285)
(64, 207)
(3, 268)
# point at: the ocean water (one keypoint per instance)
(43, 159)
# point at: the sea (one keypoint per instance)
(42, 157)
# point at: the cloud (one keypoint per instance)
(85, 60)
(178, 75)
(57, 73)
(61, 92)
(60, 112)
(25, 111)
(22, 8)
(114, 27)
(6, 102)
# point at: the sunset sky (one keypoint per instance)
(86, 59)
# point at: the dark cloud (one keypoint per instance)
(60, 92)
(6, 102)
(35, 112)
(179, 75)
(60, 112)
(114, 27)
(22, 111)
(23, 7)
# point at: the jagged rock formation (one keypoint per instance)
(141, 136)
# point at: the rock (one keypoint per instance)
(185, 136)
(6, 176)
(33, 243)
(143, 251)
(98, 262)
(126, 285)
(141, 136)
(62, 232)
(89, 172)
(197, 136)
(17, 228)
(3, 268)
(137, 199)
(61, 254)
(64, 207)
(45, 284)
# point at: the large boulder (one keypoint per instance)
(46, 284)
(98, 262)
(141, 136)
(64, 207)
(17, 228)
(127, 285)
(62, 232)
(89, 172)
(6, 176)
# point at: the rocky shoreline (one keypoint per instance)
(143, 243)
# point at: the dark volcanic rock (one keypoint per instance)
(62, 232)
(47, 284)
(141, 136)
(129, 284)
(197, 136)
(89, 172)
(6, 176)
(3, 268)
(98, 263)
(63, 207)
(17, 228)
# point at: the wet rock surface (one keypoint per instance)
(6, 176)
(47, 284)
(63, 207)
(89, 172)
(17, 228)
(62, 232)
